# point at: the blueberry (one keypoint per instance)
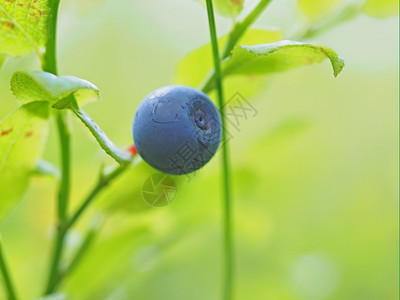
(177, 129)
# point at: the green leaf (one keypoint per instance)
(227, 8)
(36, 86)
(278, 57)
(381, 8)
(125, 194)
(22, 136)
(317, 10)
(195, 66)
(23, 26)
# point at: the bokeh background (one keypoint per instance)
(315, 172)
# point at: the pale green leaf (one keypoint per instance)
(227, 8)
(22, 136)
(36, 86)
(195, 66)
(278, 57)
(381, 8)
(23, 26)
(45, 168)
(344, 13)
(317, 10)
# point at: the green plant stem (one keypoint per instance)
(49, 60)
(228, 244)
(6, 276)
(63, 192)
(236, 33)
(49, 64)
(62, 203)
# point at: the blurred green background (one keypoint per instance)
(315, 172)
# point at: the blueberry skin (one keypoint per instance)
(177, 129)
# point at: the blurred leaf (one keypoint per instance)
(286, 130)
(119, 238)
(36, 86)
(335, 12)
(317, 10)
(227, 8)
(200, 61)
(278, 57)
(381, 8)
(45, 168)
(22, 136)
(57, 296)
(125, 194)
(342, 14)
(23, 26)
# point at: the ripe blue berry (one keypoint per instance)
(177, 129)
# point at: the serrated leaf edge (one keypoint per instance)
(52, 97)
(293, 44)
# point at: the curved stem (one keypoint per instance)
(6, 276)
(228, 244)
(49, 62)
(63, 192)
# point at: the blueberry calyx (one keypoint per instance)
(201, 119)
